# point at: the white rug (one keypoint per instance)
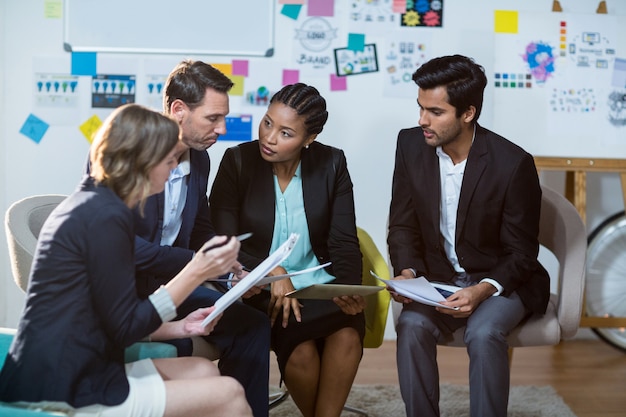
(385, 401)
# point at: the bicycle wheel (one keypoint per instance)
(605, 288)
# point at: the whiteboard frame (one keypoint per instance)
(76, 45)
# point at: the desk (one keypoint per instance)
(576, 192)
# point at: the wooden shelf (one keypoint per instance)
(576, 170)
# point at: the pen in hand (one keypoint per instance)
(241, 237)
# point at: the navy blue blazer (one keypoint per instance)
(243, 200)
(82, 310)
(497, 218)
(157, 264)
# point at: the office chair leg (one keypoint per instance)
(355, 410)
(278, 397)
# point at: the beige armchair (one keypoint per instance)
(563, 233)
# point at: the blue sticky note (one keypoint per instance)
(34, 128)
(238, 128)
(84, 63)
(291, 10)
(356, 42)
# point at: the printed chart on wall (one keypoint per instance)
(560, 83)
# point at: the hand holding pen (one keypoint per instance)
(240, 238)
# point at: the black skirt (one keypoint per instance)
(320, 319)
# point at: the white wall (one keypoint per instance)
(362, 121)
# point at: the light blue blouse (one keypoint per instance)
(291, 218)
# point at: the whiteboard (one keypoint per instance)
(204, 27)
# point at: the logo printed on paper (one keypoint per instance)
(316, 34)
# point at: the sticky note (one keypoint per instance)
(399, 6)
(237, 89)
(53, 9)
(84, 63)
(292, 11)
(290, 76)
(356, 42)
(505, 21)
(338, 83)
(34, 128)
(321, 8)
(240, 67)
(90, 127)
(226, 69)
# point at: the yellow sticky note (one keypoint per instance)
(237, 89)
(505, 21)
(226, 69)
(53, 9)
(90, 127)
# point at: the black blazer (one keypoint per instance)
(157, 264)
(82, 309)
(497, 218)
(242, 200)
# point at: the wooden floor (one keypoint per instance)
(589, 374)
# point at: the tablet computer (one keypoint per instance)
(328, 291)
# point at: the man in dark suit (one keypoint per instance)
(464, 211)
(175, 224)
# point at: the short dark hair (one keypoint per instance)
(464, 79)
(188, 82)
(307, 102)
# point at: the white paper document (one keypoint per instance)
(252, 278)
(418, 289)
(269, 280)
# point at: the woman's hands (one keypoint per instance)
(216, 257)
(350, 304)
(187, 327)
(279, 302)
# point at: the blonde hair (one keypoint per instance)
(131, 141)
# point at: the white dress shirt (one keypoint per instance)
(175, 197)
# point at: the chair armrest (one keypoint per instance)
(152, 350)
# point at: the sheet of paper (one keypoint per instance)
(268, 280)
(252, 278)
(418, 289)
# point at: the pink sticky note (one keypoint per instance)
(240, 67)
(290, 76)
(338, 83)
(321, 8)
(399, 6)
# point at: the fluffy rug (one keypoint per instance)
(385, 401)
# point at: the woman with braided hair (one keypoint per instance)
(286, 182)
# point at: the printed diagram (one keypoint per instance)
(617, 108)
(540, 59)
(591, 50)
(403, 58)
(372, 11)
(349, 62)
(56, 90)
(111, 91)
(582, 100)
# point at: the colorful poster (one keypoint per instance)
(423, 13)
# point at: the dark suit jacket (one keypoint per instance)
(157, 264)
(242, 200)
(82, 310)
(497, 218)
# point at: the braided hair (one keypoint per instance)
(307, 102)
